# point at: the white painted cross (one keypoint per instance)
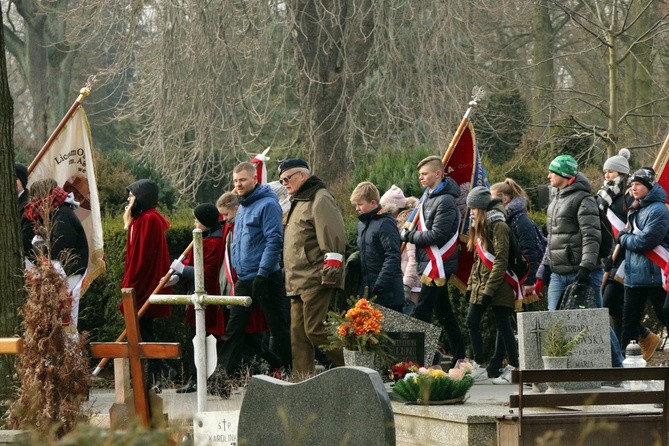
(199, 299)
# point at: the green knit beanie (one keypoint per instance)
(564, 165)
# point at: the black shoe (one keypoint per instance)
(190, 387)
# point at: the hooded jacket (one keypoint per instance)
(574, 232)
(147, 258)
(442, 219)
(530, 240)
(314, 227)
(379, 244)
(649, 220)
(258, 236)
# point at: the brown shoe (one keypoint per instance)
(649, 345)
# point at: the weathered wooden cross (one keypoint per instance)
(136, 350)
(200, 299)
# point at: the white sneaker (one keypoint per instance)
(479, 373)
(505, 377)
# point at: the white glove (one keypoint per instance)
(177, 266)
(172, 280)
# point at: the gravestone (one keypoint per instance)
(408, 346)
(594, 350)
(406, 329)
(216, 428)
(342, 406)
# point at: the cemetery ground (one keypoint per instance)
(486, 401)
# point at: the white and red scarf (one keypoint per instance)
(509, 276)
(434, 272)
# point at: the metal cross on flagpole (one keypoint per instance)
(199, 299)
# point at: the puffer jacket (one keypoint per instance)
(314, 227)
(574, 232)
(491, 281)
(258, 236)
(649, 220)
(442, 219)
(528, 235)
(379, 244)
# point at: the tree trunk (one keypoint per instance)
(544, 67)
(46, 60)
(332, 45)
(11, 274)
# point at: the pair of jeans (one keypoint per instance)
(436, 298)
(505, 342)
(559, 283)
(634, 307)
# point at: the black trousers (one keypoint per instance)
(233, 348)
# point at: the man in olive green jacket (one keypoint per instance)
(313, 254)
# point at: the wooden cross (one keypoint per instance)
(136, 350)
(11, 346)
(199, 299)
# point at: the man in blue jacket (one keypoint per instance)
(257, 245)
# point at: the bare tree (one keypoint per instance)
(45, 57)
(626, 37)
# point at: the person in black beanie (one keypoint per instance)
(206, 220)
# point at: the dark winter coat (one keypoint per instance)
(574, 232)
(650, 227)
(530, 240)
(442, 219)
(379, 244)
(68, 241)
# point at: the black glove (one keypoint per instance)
(406, 235)
(583, 275)
(260, 288)
(487, 300)
(377, 290)
(468, 295)
(620, 234)
(607, 264)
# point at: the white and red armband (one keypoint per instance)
(333, 259)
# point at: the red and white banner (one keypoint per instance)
(69, 161)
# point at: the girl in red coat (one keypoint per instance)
(147, 259)
(206, 219)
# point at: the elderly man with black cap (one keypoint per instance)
(313, 254)
(647, 228)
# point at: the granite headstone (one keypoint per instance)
(216, 428)
(342, 406)
(398, 323)
(594, 350)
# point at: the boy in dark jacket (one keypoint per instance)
(379, 245)
(436, 241)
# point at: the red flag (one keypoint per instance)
(465, 167)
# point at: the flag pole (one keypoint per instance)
(477, 95)
(145, 307)
(83, 93)
(157, 290)
(659, 163)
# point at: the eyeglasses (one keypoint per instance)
(286, 179)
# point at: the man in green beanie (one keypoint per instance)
(574, 236)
